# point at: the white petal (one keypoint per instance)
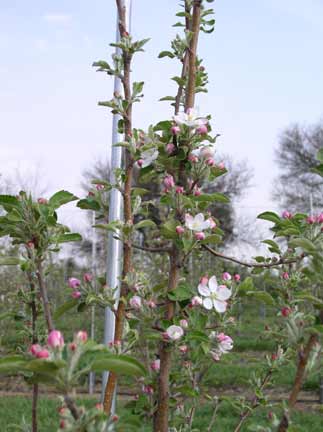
(213, 284)
(207, 303)
(199, 218)
(223, 293)
(205, 225)
(220, 306)
(189, 221)
(203, 290)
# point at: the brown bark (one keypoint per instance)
(303, 357)
(165, 354)
(127, 247)
(190, 91)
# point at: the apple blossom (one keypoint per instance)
(76, 294)
(285, 311)
(135, 302)
(206, 152)
(180, 229)
(226, 276)
(74, 282)
(319, 218)
(212, 223)
(199, 235)
(183, 323)
(285, 275)
(310, 220)
(193, 158)
(183, 349)
(179, 190)
(87, 277)
(155, 365)
(225, 343)
(115, 418)
(215, 295)
(237, 277)
(216, 355)
(197, 191)
(140, 162)
(174, 332)
(202, 130)
(81, 336)
(196, 223)
(99, 187)
(34, 349)
(148, 157)
(42, 354)
(204, 280)
(42, 201)
(196, 301)
(148, 389)
(175, 130)
(221, 166)
(151, 304)
(170, 148)
(286, 215)
(169, 181)
(189, 118)
(55, 339)
(210, 162)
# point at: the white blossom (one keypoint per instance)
(215, 295)
(197, 223)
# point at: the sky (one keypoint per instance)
(265, 69)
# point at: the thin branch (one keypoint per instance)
(153, 250)
(279, 262)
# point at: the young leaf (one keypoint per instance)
(60, 198)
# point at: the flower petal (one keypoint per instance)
(207, 303)
(223, 293)
(203, 290)
(213, 284)
(220, 306)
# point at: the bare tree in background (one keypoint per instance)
(296, 156)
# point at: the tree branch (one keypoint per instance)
(153, 250)
(281, 261)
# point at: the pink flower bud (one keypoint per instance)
(42, 201)
(140, 162)
(183, 349)
(197, 191)
(226, 276)
(81, 336)
(74, 282)
(319, 218)
(62, 424)
(221, 166)
(170, 148)
(34, 349)
(135, 302)
(90, 194)
(99, 187)
(155, 365)
(274, 356)
(200, 235)
(87, 277)
(72, 346)
(169, 181)
(151, 304)
(196, 301)
(175, 130)
(286, 311)
(30, 245)
(286, 215)
(310, 220)
(179, 190)
(42, 354)
(207, 152)
(193, 158)
(55, 339)
(216, 355)
(148, 389)
(202, 130)
(76, 294)
(179, 230)
(99, 406)
(285, 275)
(183, 323)
(210, 162)
(115, 418)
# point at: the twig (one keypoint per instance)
(303, 356)
(249, 264)
(152, 249)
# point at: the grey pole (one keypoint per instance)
(114, 253)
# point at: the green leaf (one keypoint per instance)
(9, 261)
(8, 202)
(167, 98)
(88, 204)
(262, 296)
(168, 229)
(305, 244)
(212, 239)
(214, 197)
(44, 366)
(166, 54)
(245, 286)
(60, 198)
(274, 248)
(70, 304)
(319, 155)
(68, 237)
(182, 292)
(145, 224)
(269, 216)
(119, 364)
(12, 364)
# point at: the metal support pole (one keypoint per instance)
(114, 254)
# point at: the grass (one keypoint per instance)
(13, 409)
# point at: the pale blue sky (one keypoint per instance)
(264, 61)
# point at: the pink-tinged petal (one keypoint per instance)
(203, 290)
(220, 306)
(223, 293)
(207, 303)
(189, 220)
(213, 284)
(199, 218)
